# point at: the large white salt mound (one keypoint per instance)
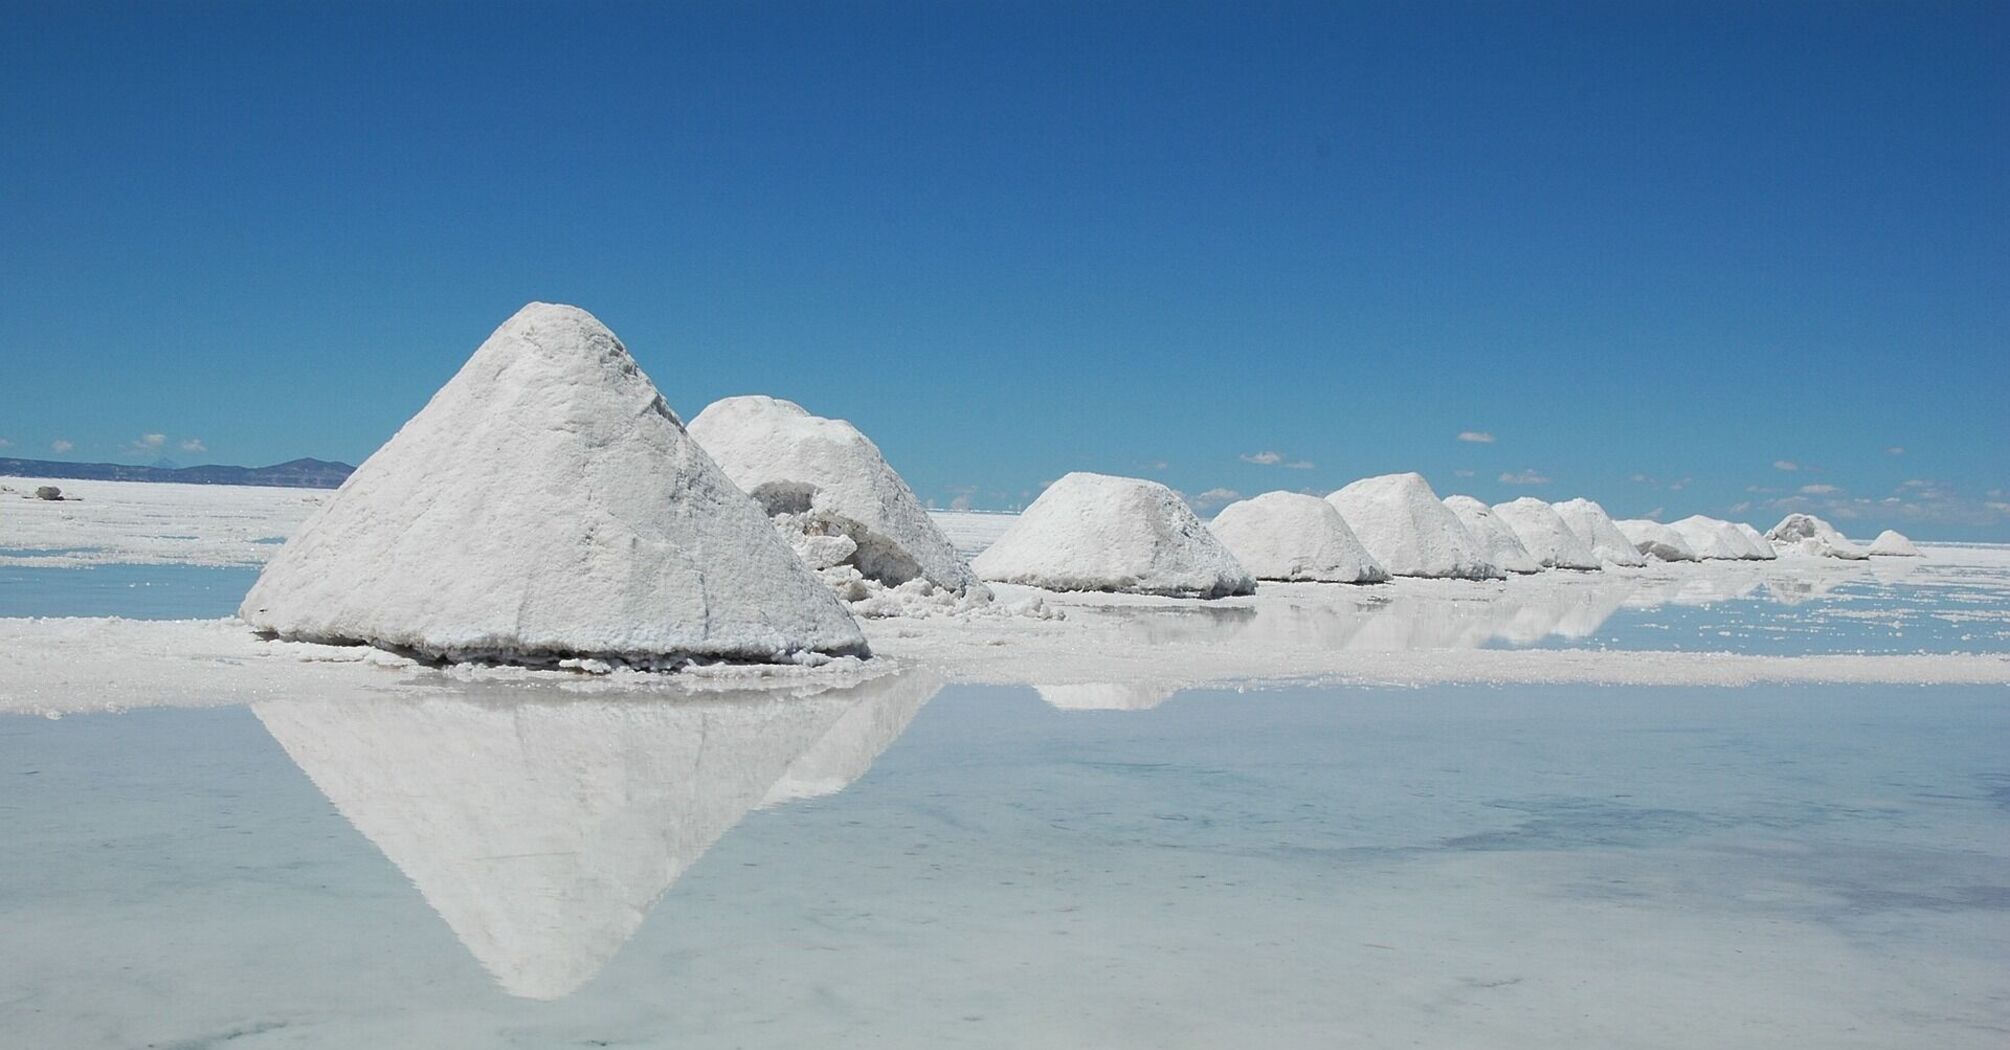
(1093, 532)
(1714, 539)
(1656, 540)
(822, 478)
(546, 503)
(1808, 535)
(1293, 536)
(1496, 538)
(1409, 530)
(1595, 528)
(1760, 544)
(1544, 534)
(1893, 544)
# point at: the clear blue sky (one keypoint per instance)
(1649, 252)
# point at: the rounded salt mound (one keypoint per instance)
(1409, 530)
(1595, 527)
(1093, 532)
(1495, 537)
(547, 504)
(1893, 544)
(1808, 535)
(1543, 532)
(824, 475)
(1293, 536)
(1656, 540)
(1714, 539)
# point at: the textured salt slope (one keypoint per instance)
(1545, 535)
(1758, 541)
(1496, 539)
(823, 480)
(1592, 525)
(1409, 531)
(1805, 534)
(1893, 544)
(1656, 540)
(1293, 536)
(1093, 532)
(547, 503)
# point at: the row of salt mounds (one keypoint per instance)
(1714, 539)
(546, 505)
(1592, 525)
(1093, 532)
(1808, 535)
(1545, 535)
(1893, 544)
(834, 497)
(1496, 538)
(1293, 536)
(1409, 530)
(1758, 540)
(1656, 540)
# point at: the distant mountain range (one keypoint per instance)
(294, 473)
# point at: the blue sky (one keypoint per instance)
(1647, 253)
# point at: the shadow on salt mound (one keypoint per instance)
(1496, 539)
(546, 503)
(1892, 544)
(1807, 535)
(543, 830)
(1592, 525)
(1409, 531)
(1292, 536)
(1545, 535)
(1656, 540)
(1094, 532)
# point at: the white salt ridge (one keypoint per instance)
(1714, 539)
(1893, 544)
(1094, 532)
(1293, 536)
(831, 492)
(1656, 540)
(546, 503)
(1592, 525)
(1409, 531)
(1496, 538)
(1807, 535)
(1758, 540)
(1545, 535)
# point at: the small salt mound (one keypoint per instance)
(1293, 536)
(1093, 532)
(1760, 544)
(1544, 534)
(830, 491)
(1409, 530)
(1592, 525)
(546, 504)
(1807, 535)
(1496, 539)
(1714, 539)
(1656, 540)
(1892, 544)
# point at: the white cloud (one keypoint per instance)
(1819, 490)
(193, 445)
(1463, 473)
(4, 442)
(1477, 437)
(1895, 450)
(1786, 465)
(1267, 458)
(1215, 497)
(146, 443)
(60, 446)
(1525, 477)
(1299, 464)
(1157, 464)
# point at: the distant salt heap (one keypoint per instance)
(1808, 535)
(836, 500)
(1496, 538)
(1093, 532)
(547, 507)
(1893, 544)
(1656, 540)
(1714, 539)
(1592, 525)
(1757, 539)
(1544, 534)
(1293, 536)
(1409, 530)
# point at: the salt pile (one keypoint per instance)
(1293, 536)
(1592, 525)
(546, 506)
(1714, 539)
(834, 498)
(1656, 540)
(1495, 537)
(1094, 532)
(1758, 541)
(1409, 530)
(1893, 544)
(1808, 535)
(1544, 534)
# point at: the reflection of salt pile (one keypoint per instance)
(1544, 534)
(1093, 532)
(1592, 525)
(1893, 544)
(1715, 540)
(1656, 540)
(547, 504)
(1105, 696)
(1808, 535)
(543, 830)
(1293, 536)
(1496, 538)
(880, 711)
(1409, 530)
(1758, 541)
(833, 496)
